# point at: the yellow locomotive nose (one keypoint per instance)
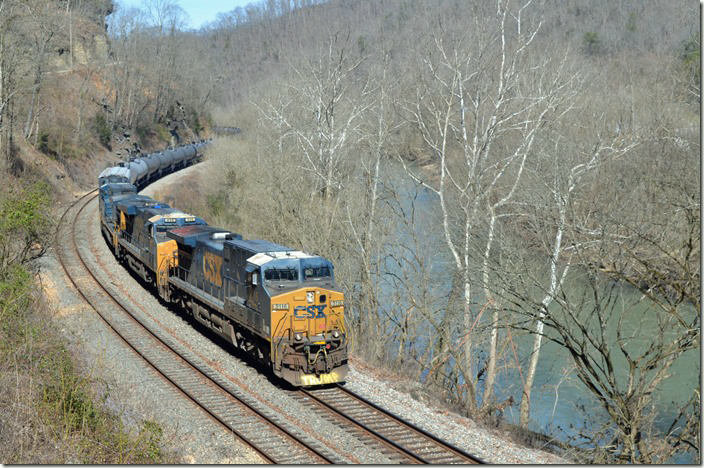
(311, 346)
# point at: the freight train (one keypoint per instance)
(278, 304)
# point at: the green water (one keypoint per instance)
(561, 405)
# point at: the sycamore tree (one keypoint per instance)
(483, 95)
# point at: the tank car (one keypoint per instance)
(191, 151)
(153, 165)
(138, 171)
(166, 158)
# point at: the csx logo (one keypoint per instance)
(211, 268)
(309, 312)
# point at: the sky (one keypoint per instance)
(199, 11)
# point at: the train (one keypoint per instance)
(278, 304)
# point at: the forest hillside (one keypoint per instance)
(509, 190)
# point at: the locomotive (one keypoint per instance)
(278, 304)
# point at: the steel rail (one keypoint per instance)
(408, 424)
(395, 431)
(194, 367)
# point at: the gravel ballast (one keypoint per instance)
(136, 393)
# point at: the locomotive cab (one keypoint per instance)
(307, 335)
(109, 194)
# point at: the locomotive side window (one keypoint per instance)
(313, 272)
(252, 278)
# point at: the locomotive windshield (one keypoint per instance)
(291, 269)
(281, 274)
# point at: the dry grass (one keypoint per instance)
(49, 412)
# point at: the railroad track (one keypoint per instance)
(248, 419)
(251, 421)
(401, 440)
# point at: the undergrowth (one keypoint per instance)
(50, 413)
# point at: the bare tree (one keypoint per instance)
(599, 256)
(332, 100)
(12, 58)
(556, 181)
(481, 102)
(127, 37)
(45, 21)
(596, 326)
(168, 20)
(366, 225)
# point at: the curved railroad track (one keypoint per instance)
(402, 441)
(238, 413)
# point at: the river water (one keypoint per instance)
(561, 405)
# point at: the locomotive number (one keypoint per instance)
(211, 268)
(309, 312)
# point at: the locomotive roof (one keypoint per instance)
(191, 235)
(114, 170)
(173, 217)
(263, 251)
(151, 211)
(131, 204)
(261, 258)
(259, 246)
(135, 198)
(118, 186)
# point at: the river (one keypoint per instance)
(561, 405)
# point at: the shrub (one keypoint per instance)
(49, 412)
(25, 223)
(592, 43)
(44, 143)
(196, 125)
(103, 130)
(691, 56)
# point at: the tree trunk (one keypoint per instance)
(493, 343)
(468, 355)
(552, 291)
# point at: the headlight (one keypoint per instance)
(310, 295)
(335, 334)
(297, 336)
